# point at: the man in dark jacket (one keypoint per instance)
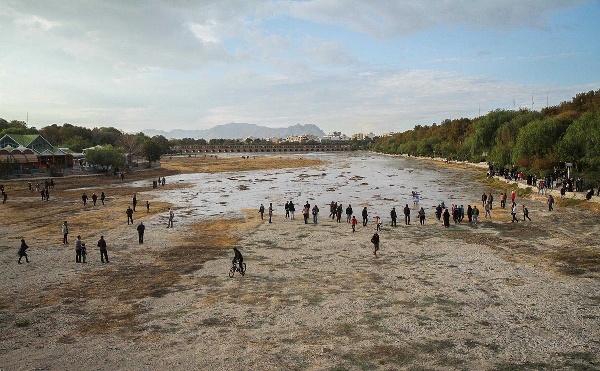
(375, 242)
(365, 214)
(140, 229)
(406, 215)
(22, 252)
(103, 251)
(129, 213)
(394, 216)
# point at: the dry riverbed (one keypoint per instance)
(497, 296)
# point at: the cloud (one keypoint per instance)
(329, 52)
(389, 18)
(190, 64)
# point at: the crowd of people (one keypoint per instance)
(80, 245)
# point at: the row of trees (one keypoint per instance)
(117, 147)
(537, 142)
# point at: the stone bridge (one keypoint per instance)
(264, 148)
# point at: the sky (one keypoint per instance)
(353, 66)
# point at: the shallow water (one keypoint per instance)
(361, 179)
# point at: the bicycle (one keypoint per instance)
(235, 268)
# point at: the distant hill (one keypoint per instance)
(237, 130)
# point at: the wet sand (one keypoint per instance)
(495, 296)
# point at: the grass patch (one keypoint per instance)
(576, 261)
(22, 323)
(569, 202)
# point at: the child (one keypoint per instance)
(83, 252)
(354, 221)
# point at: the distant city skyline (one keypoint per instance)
(349, 66)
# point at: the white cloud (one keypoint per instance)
(389, 18)
(328, 52)
(205, 32)
(190, 64)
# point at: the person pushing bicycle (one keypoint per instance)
(238, 258)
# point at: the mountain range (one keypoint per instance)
(237, 130)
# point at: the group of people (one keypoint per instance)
(84, 198)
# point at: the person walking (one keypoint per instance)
(315, 213)
(287, 210)
(292, 211)
(140, 229)
(365, 214)
(406, 215)
(446, 217)
(422, 216)
(22, 252)
(103, 251)
(171, 216)
(129, 213)
(84, 198)
(487, 210)
(377, 222)
(65, 232)
(271, 212)
(513, 212)
(147, 206)
(349, 213)
(375, 241)
(305, 213)
(526, 213)
(102, 197)
(134, 201)
(83, 253)
(94, 198)
(475, 214)
(78, 244)
(261, 210)
(550, 203)
(394, 216)
(353, 222)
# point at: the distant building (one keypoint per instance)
(358, 136)
(302, 138)
(334, 136)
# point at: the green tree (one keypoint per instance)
(76, 143)
(105, 157)
(151, 150)
(537, 138)
(581, 142)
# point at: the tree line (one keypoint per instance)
(117, 146)
(532, 141)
